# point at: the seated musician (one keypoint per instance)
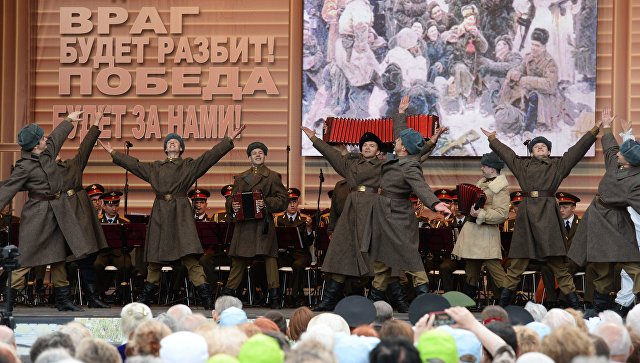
(516, 198)
(117, 257)
(299, 257)
(199, 201)
(95, 191)
(444, 263)
(216, 255)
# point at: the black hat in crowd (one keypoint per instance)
(425, 304)
(356, 310)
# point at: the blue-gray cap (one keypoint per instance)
(630, 149)
(412, 140)
(29, 136)
(173, 135)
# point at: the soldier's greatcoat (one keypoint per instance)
(538, 231)
(171, 232)
(607, 233)
(257, 237)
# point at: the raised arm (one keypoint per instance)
(205, 161)
(504, 152)
(86, 146)
(338, 161)
(575, 153)
(59, 135)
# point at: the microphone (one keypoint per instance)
(526, 142)
(321, 176)
(128, 144)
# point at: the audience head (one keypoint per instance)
(132, 315)
(617, 338)
(633, 319)
(146, 338)
(311, 351)
(7, 336)
(365, 331)
(534, 357)
(395, 349)
(8, 353)
(223, 303)
(52, 355)
(334, 322)
(494, 313)
(76, 331)
(266, 325)
(566, 342)
(183, 347)
(261, 349)
(528, 339)
(298, 322)
(396, 328)
(224, 341)
(537, 311)
(384, 312)
(232, 316)
(506, 332)
(54, 339)
(97, 351)
(191, 322)
(279, 319)
(556, 318)
(167, 320)
(179, 311)
(439, 344)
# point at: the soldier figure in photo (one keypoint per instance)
(257, 237)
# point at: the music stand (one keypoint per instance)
(137, 218)
(113, 235)
(135, 234)
(438, 241)
(208, 233)
(288, 238)
(226, 232)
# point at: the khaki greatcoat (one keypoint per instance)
(257, 237)
(538, 231)
(607, 233)
(171, 232)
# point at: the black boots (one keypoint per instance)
(204, 292)
(506, 296)
(148, 293)
(574, 301)
(63, 300)
(421, 289)
(470, 290)
(600, 302)
(228, 292)
(376, 295)
(275, 298)
(397, 297)
(331, 295)
(93, 300)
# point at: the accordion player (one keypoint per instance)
(248, 205)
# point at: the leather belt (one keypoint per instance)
(71, 192)
(539, 194)
(169, 197)
(394, 195)
(364, 188)
(43, 197)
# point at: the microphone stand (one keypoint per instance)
(317, 221)
(127, 145)
(288, 151)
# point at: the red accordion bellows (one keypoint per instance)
(468, 196)
(349, 130)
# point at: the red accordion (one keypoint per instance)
(349, 130)
(469, 196)
(248, 209)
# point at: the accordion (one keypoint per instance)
(349, 130)
(248, 209)
(469, 196)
